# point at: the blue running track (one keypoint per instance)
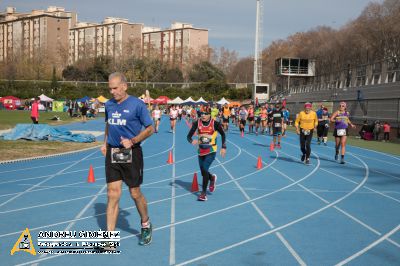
(285, 213)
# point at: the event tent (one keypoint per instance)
(10, 102)
(222, 101)
(189, 101)
(102, 99)
(177, 100)
(234, 104)
(84, 99)
(161, 100)
(44, 98)
(201, 101)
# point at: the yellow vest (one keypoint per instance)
(307, 121)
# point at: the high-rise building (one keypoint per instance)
(179, 45)
(38, 33)
(114, 38)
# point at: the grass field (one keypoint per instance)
(11, 150)
(8, 119)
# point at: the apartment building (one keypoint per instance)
(114, 37)
(179, 45)
(38, 33)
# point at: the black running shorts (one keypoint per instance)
(130, 173)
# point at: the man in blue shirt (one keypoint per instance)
(125, 117)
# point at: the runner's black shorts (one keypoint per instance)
(130, 173)
(225, 119)
(243, 122)
(276, 131)
(250, 119)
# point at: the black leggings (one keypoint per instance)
(205, 163)
(305, 143)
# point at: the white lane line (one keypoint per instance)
(282, 226)
(155, 229)
(73, 199)
(355, 156)
(47, 179)
(346, 213)
(79, 215)
(266, 220)
(370, 246)
(172, 229)
(366, 187)
(154, 202)
(337, 208)
(68, 162)
(76, 171)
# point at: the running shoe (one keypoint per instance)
(278, 146)
(303, 157)
(308, 161)
(213, 183)
(202, 197)
(342, 161)
(325, 144)
(336, 157)
(319, 142)
(146, 236)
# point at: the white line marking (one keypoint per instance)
(285, 225)
(373, 244)
(172, 229)
(38, 184)
(266, 220)
(337, 208)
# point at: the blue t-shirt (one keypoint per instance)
(125, 119)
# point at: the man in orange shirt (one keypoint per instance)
(35, 110)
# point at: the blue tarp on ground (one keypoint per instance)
(45, 132)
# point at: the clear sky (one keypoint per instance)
(231, 23)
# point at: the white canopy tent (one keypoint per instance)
(44, 98)
(222, 101)
(201, 100)
(189, 101)
(177, 100)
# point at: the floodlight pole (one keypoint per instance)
(257, 57)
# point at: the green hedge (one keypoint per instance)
(211, 90)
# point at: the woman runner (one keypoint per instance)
(342, 122)
(207, 131)
(156, 114)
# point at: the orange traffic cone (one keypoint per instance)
(242, 134)
(271, 146)
(195, 185)
(91, 178)
(259, 163)
(170, 159)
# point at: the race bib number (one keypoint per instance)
(306, 132)
(278, 125)
(341, 132)
(121, 155)
(205, 140)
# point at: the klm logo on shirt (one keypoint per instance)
(116, 120)
(116, 115)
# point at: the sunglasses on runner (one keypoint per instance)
(204, 113)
